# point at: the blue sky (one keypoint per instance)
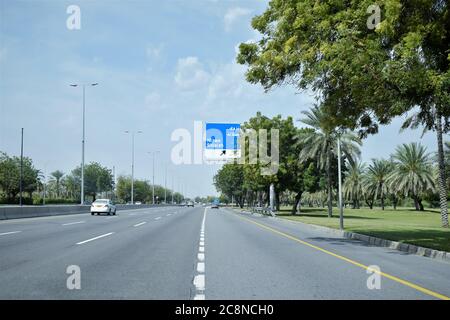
(160, 66)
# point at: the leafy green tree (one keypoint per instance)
(290, 173)
(96, 178)
(413, 172)
(142, 190)
(229, 180)
(321, 145)
(375, 179)
(10, 176)
(364, 76)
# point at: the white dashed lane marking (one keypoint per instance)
(199, 279)
(201, 267)
(71, 223)
(140, 224)
(95, 238)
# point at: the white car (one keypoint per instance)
(103, 206)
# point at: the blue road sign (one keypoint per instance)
(222, 140)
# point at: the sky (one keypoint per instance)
(160, 66)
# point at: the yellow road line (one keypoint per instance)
(396, 279)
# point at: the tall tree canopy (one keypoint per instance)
(364, 76)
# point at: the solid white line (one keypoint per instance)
(199, 297)
(201, 267)
(11, 232)
(140, 224)
(70, 223)
(202, 243)
(92, 239)
(157, 218)
(201, 257)
(201, 249)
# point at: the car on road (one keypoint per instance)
(215, 204)
(190, 204)
(103, 206)
(138, 203)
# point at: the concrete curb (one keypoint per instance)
(379, 242)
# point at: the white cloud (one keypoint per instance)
(232, 15)
(190, 74)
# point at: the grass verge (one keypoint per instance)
(403, 225)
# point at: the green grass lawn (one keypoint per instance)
(404, 224)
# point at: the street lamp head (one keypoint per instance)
(94, 84)
(73, 85)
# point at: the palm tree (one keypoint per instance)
(375, 180)
(353, 186)
(438, 122)
(57, 175)
(320, 144)
(413, 173)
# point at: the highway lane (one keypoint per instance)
(155, 260)
(266, 258)
(187, 253)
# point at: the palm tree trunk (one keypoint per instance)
(442, 178)
(330, 200)
(277, 200)
(416, 203)
(298, 196)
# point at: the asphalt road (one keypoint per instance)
(198, 253)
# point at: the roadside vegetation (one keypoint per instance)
(403, 225)
(362, 77)
(58, 187)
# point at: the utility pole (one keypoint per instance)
(21, 168)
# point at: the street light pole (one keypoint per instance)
(21, 168)
(83, 137)
(153, 153)
(341, 207)
(165, 186)
(173, 191)
(132, 162)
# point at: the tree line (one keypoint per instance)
(66, 188)
(307, 172)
